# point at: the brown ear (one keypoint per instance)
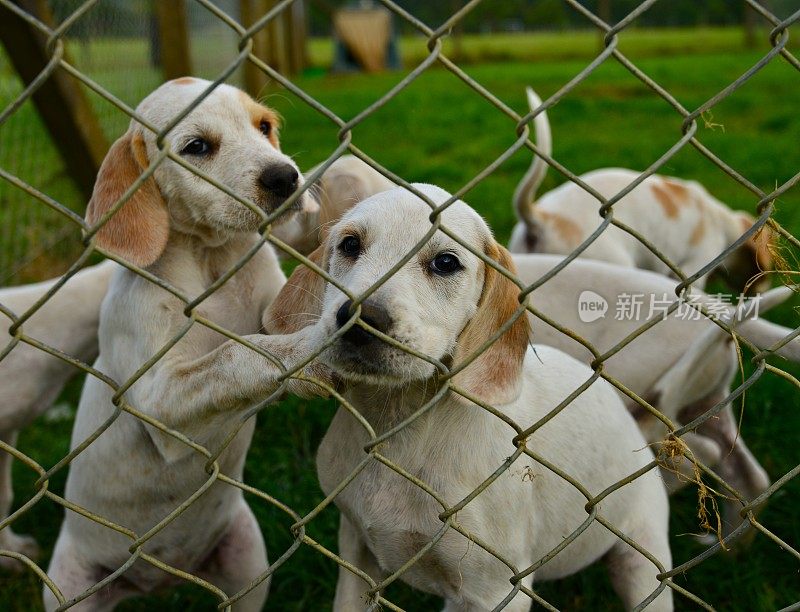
(299, 303)
(494, 376)
(758, 250)
(138, 231)
(761, 243)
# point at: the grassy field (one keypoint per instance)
(523, 46)
(439, 131)
(36, 239)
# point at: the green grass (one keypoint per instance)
(440, 131)
(526, 46)
(40, 238)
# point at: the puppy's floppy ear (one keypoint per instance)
(139, 230)
(758, 250)
(495, 375)
(299, 303)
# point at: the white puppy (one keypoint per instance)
(680, 218)
(445, 303)
(651, 361)
(30, 378)
(188, 234)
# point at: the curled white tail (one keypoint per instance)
(525, 193)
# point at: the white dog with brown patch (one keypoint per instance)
(446, 303)
(187, 233)
(680, 218)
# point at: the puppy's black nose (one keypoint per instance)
(280, 179)
(372, 314)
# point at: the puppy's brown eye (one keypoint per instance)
(350, 246)
(198, 146)
(266, 128)
(445, 264)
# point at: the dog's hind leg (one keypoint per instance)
(632, 574)
(9, 540)
(738, 467)
(240, 558)
(490, 599)
(73, 575)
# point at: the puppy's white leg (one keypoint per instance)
(350, 588)
(517, 605)
(238, 559)
(520, 603)
(738, 467)
(744, 473)
(9, 540)
(632, 574)
(73, 574)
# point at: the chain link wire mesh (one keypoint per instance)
(39, 240)
(89, 69)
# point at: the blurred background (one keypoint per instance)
(355, 51)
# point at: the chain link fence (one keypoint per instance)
(116, 47)
(120, 109)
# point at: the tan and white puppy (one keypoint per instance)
(30, 378)
(446, 303)
(680, 218)
(344, 184)
(652, 360)
(187, 233)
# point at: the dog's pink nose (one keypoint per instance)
(280, 179)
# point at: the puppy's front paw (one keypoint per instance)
(319, 375)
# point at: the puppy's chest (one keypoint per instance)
(235, 305)
(397, 521)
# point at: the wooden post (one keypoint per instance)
(277, 41)
(280, 44)
(254, 78)
(60, 101)
(749, 26)
(173, 32)
(297, 27)
(456, 35)
(604, 10)
(604, 13)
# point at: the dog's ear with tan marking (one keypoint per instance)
(760, 245)
(299, 303)
(139, 230)
(495, 375)
(758, 255)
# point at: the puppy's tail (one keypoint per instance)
(525, 193)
